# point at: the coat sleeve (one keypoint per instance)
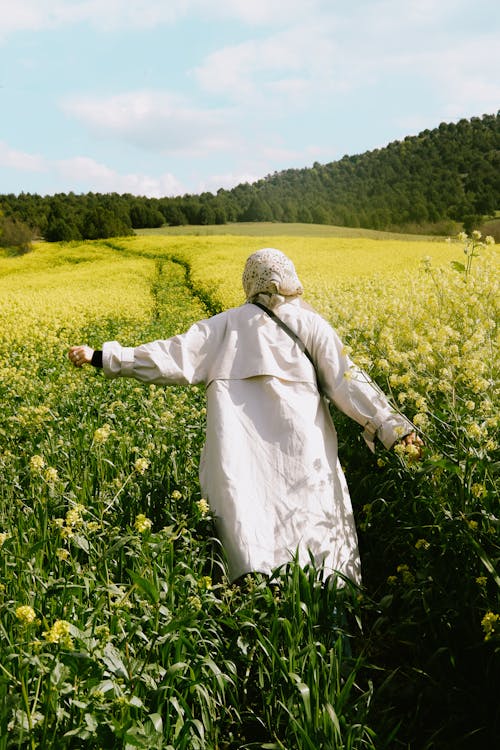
(353, 392)
(181, 360)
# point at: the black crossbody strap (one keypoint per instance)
(289, 331)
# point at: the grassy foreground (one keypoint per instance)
(119, 628)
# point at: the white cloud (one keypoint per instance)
(264, 11)
(108, 15)
(83, 173)
(11, 158)
(290, 63)
(36, 15)
(156, 121)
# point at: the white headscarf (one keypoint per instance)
(270, 272)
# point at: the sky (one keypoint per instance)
(167, 97)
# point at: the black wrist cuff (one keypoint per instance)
(96, 360)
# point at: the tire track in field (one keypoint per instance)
(203, 295)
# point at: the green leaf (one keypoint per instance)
(146, 586)
(458, 266)
(157, 722)
(112, 659)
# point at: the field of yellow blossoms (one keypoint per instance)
(118, 626)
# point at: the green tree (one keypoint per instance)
(15, 235)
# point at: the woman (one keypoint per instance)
(269, 467)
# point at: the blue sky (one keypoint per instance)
(165, 97)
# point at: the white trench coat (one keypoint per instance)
(270, 468)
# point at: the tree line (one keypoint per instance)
(422, 183)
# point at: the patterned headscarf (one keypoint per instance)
(269, 271)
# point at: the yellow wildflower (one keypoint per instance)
(62, 554)
(50, 475)
(74, 515)
(406, 575)
(142, 523)
(195, 602)
(25, 614)
(490, 625)
(203, 507)
(37, 463)
(102, 434)
(478, 490)
(205, 583)
(59, 633)
(422, 544)
(474, 431)
(141, 465)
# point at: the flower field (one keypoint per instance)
(118, 626)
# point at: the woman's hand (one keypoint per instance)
(413, 440)
(80, 355)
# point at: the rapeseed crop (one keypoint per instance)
(119, 628)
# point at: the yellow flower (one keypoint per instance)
(412, 451)
(59, 633)
(141, 465)
(37, 463)
(481, 581)
(392, 580)
(406, 574)
(176, 495)
(195, 602)
(62, 554)
(102, 434)
(25, 614)
(422, 544)
(421, 420)
(489, 624)
(205, 583)
(472, 525)
(203, 507)
(474, 431)
(478, 490)
(74, 515)
(50, 475)
(142, 523)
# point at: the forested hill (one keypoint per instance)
(423, 183)
(451, 172)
